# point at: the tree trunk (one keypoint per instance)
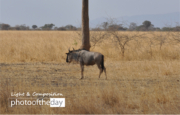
(85, 25)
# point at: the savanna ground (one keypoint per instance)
(145, 80)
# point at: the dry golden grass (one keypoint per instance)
(146, 80)
(50, 46)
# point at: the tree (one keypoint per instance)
(85, 25)
(132, 26)
(151, 27)
(0, 25)
(105, 25)
(47, 26)
(167, 29)
(177, 28)
(146, 24)
(34, 26)
(121, 40)
(70, 27)
(141, 28)
(157, 29)
(17, 27)
(61, 28)
(22, 27)
(5, 26)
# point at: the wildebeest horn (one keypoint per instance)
(69, 49)
(73, 49)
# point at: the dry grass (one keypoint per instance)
(50, 46)
(146, 80)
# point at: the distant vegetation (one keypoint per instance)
(146, 26)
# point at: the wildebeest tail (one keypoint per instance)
(102, 63)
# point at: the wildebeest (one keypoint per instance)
(87, 58)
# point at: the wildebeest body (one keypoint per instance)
(87, 58)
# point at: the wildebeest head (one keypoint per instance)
(69, 56)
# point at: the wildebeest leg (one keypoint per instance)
(105, 72)
(100, 70)
(82, 69)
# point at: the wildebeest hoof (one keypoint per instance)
(81, 79)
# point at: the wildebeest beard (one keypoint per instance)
(67, 58)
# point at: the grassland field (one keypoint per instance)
(144, 81)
